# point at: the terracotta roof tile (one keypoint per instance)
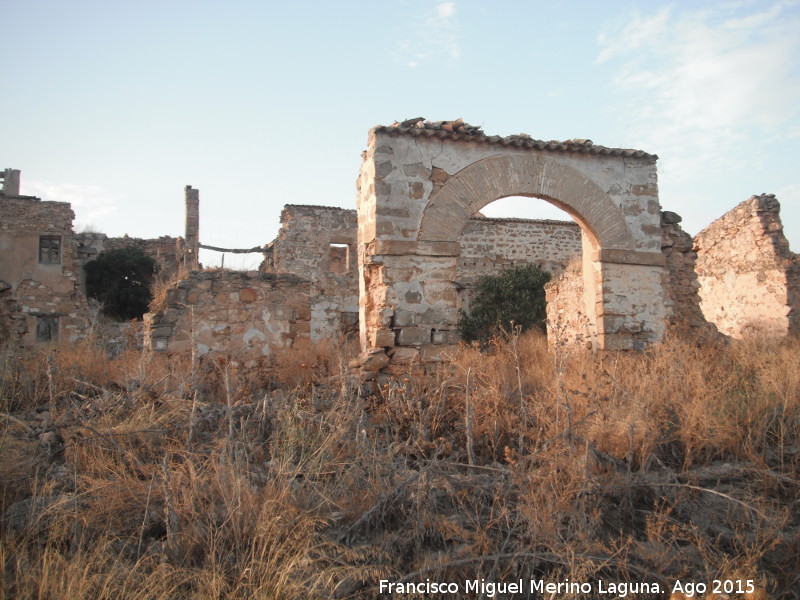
(458, 130)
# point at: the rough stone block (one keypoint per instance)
(404, 318)
(615, 341)
(435, 354)
(248, 295)
(404, 355)
(374, 360)
(383, 338)
(176, 296)
(414, 336)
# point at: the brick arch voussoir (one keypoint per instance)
(484, 181)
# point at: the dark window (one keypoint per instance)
(50, 249)
(46, 329)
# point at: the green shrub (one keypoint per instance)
(120, 280)
(515, 295)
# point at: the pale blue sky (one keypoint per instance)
(116, 106)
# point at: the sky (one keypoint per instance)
(116, 106)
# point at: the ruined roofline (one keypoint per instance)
(476, 217)
(458, 130)
(318, 207)
(756, 203)
(4, 196)
(21, 197)
(126, 237)
(523, 220)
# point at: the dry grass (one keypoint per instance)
(129, 479)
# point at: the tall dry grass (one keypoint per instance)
(134, 479)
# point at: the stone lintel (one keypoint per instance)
(629, 257)
(423, 248)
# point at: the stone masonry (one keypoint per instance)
(422, 182)
(42, 283)
(401, 267)
(681, 286)
(246, 316)
(748, 276)
(568, 324)
(166, 251)
(489, 246)
(192, 229)
(318, 243)
(40, 286)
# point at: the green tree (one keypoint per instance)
(120, 280)
(516, 294)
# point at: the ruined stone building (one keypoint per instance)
(40, 293)
(749, 279)
(306, 290)
(42, 282)
(398, 269)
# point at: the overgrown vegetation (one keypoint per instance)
(143, 478)
(120, 280)
(512, 300)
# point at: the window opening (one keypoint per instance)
(50, 249)
(46, 329)
(339, 258)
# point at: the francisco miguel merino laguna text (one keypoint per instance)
(492, 588)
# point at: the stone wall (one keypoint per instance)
(568, 322)
(40, 271)
(246, 316)
(489, 246)
(8, 313)
(165, 250)
(318, 243)
(422, 182)
(747, 274)
(681, 286)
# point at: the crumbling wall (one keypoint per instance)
(420, 184)
(165, 250)
(318, 243)
(568, 322)
(746, 272)
(38, 263)
(245, 316)
(489, 246)
(680, 282)
(9, 324)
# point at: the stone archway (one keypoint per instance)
(489, 179)
(420, 185)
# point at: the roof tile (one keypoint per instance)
(458, 130)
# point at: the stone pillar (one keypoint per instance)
(11, 182)
(192, 258)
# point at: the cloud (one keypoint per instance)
(91, 203)
(445, 10)
(701, 86)
(434, 39)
